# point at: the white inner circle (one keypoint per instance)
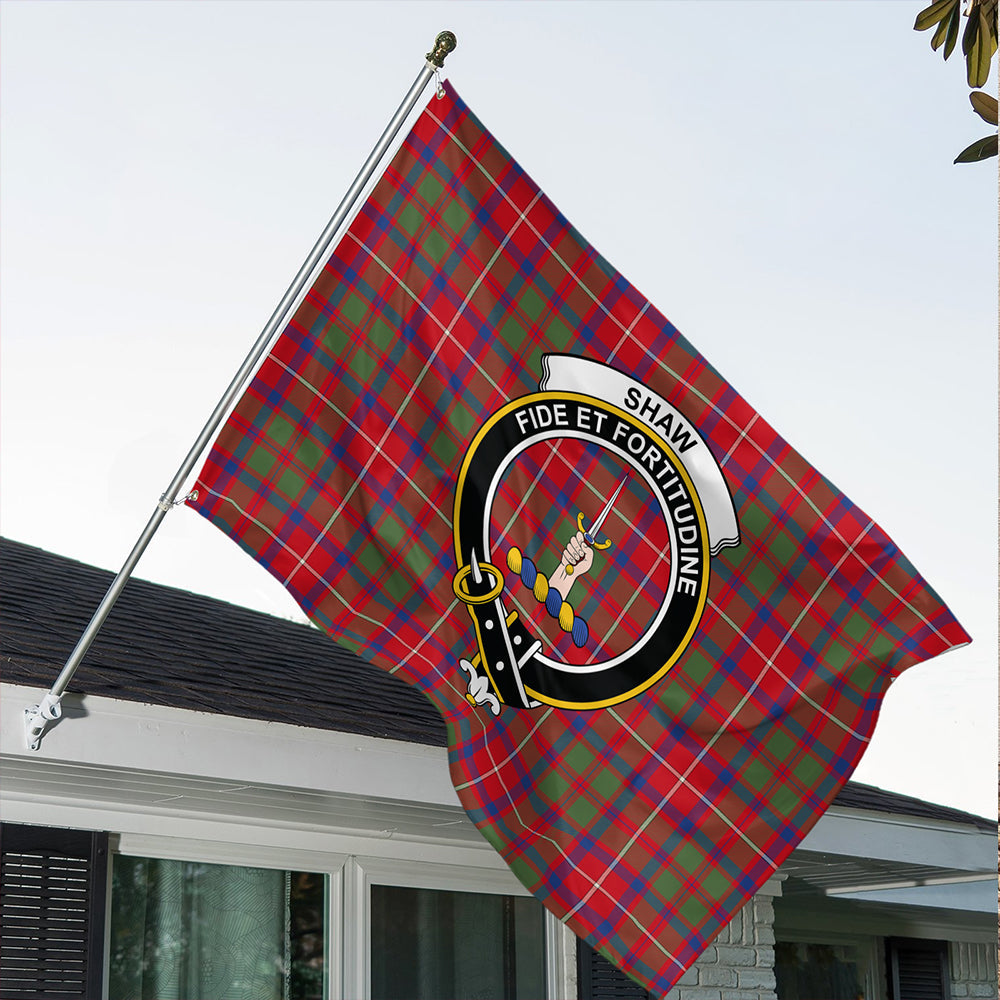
(627, 458)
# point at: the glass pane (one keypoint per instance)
(433, 945)
(307, 909)
(182, 929)
(818, 971)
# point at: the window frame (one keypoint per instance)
(361, 873)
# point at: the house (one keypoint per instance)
(232, 806)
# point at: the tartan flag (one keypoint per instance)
(482, 460)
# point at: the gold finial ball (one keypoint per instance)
(443, 44)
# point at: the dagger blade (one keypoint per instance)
(591, 533)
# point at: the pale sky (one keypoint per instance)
(775, 175)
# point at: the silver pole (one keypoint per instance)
(37, 717)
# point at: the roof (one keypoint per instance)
(169, 647)
(854, 795)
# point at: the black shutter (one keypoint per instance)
(53, 889)
(918, 970)
(600, 980)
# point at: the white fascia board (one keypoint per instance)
(905, 839)
(112, 733)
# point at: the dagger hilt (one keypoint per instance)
(538, 584)
(589, 539)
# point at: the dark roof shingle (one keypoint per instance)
(164, 646)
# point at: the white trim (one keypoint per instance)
(107, 732)
(236, 836)
(106, 956)
(355, 945)
(335, 931)
(133, 735)
(228, 853)
(450, 877)
(560, 959)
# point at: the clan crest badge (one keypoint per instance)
(586, 516)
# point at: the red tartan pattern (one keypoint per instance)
(648, 824)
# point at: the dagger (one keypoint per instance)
(590, 534)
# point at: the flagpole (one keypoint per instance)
(37, 717)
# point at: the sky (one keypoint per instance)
(776, 176)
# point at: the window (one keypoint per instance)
(432, 931)
(432, 944)
(820, 970)
(182, 929)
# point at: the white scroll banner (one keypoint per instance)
(568, 373)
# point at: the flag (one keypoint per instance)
(659, 638)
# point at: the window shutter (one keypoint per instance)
(600, 980)
(918, 970)
(53, 889)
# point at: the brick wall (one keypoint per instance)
(740, 964)
(973, 970)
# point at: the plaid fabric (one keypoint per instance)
(647, 824)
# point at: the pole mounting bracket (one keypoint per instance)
(37, 718)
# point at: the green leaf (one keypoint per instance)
(989, 10)
(969, 36)
(930, 16)
(942, 32)
(985, 105)
(954, 22)
(981, 149)
(978, 59)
